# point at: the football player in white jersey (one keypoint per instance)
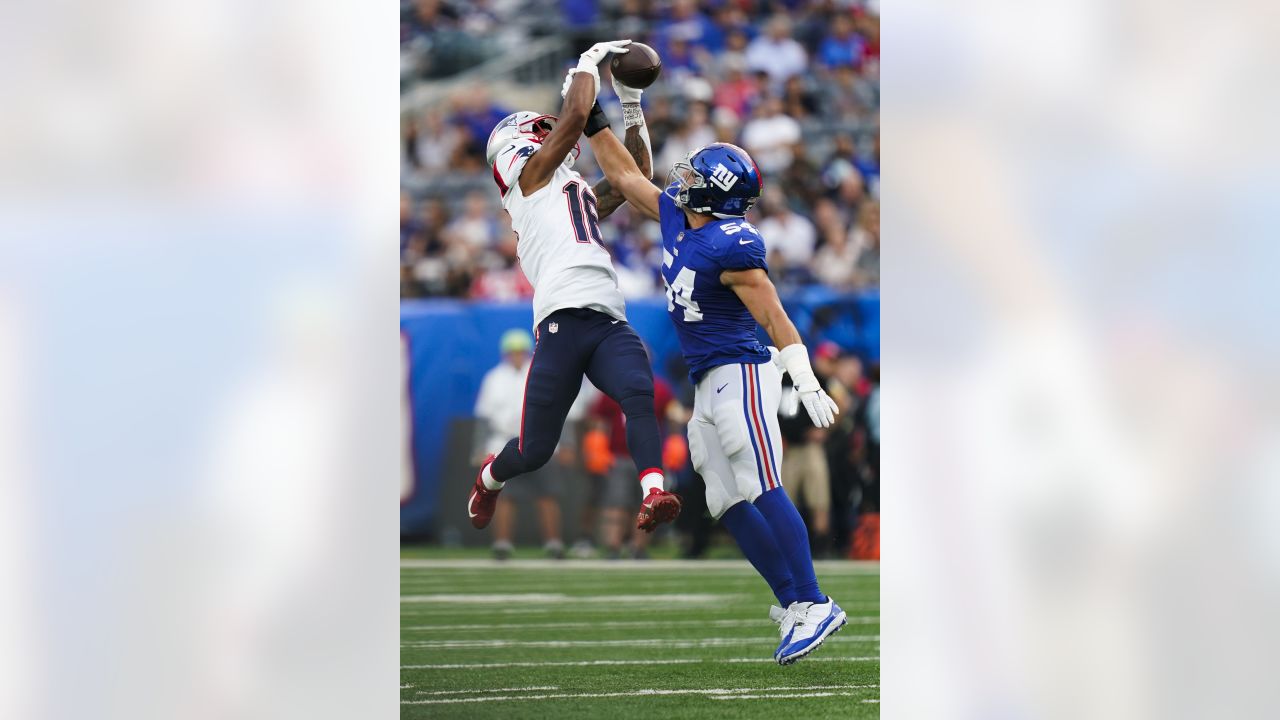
(579, 315)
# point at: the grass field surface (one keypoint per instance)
(624, 639)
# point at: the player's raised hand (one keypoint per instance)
(589, 62)
(626, 95)
(596, 53)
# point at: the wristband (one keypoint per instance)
(795, 358)
(631, 115)
(596, 121)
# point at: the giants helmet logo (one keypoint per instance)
(723, 177)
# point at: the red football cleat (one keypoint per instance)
(659, 507)
(483, 500)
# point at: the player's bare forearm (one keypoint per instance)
(557, 144)
(757, 292)
(624, 174)
(609, 198)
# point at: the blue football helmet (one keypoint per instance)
(720, 179)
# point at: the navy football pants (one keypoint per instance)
(572, 343)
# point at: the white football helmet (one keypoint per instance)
(524, 125)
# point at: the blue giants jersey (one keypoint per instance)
(713, 325)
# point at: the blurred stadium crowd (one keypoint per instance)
(795, 82)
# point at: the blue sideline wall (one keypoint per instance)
(451, 344)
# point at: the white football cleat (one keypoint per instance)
(786, 620)
(813, 623)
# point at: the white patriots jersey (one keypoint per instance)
(558, 238)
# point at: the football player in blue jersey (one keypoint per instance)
(718, 289)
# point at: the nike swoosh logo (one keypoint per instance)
(615, 322)
(745, 242)
(473, 499)
(721, 388)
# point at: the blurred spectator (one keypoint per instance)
(692, 134)
(869, 165)
(835, 260)
(797, 101)
(866, 240)
(431, 144)
(804, 460)
(738, 90)
(477, 227)
(499, 409)
(770, 136)
(790, 234)
(802, 180)
(776, 53)
(687, 25)
(842, 47)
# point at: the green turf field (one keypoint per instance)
(623, 639)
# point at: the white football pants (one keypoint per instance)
(734, 440)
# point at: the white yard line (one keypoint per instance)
(592, 663)
(489, 690)
(546, 598)
(446, 627)
(633, 642)
(849, 567)
(629, 693)
(781, 696)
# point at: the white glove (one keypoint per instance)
(626, 95)
(821, 408)
(589, 62)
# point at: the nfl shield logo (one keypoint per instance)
(680, 236)
(553, 327)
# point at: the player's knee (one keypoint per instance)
(536, 455)
(749, 490)
(718, 502)
(637, 405)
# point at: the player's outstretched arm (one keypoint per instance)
(624, 175)
(636, 141)
(757, 292)
(581, 88)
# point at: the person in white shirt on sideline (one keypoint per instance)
(498, 410)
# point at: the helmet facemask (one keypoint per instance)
(681, 179)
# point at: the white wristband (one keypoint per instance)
(795, 358)
(631, 115)
(590, 69)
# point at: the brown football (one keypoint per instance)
(638, 68)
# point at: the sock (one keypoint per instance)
(793, 540)
(650, 479)
(490, 482)
(757, 542)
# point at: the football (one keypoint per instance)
(638, 68)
